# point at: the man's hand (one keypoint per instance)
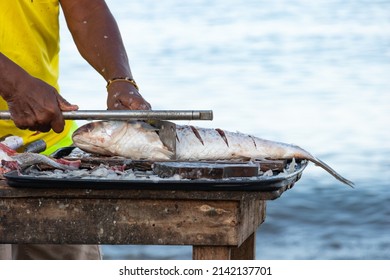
(37, 106)
(124, 96)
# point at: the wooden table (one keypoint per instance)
(218, 224)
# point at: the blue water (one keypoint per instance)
(313, 73)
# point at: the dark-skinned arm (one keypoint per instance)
(98, 40)
(33, 104)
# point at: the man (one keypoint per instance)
(29, 54)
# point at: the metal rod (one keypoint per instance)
(130, 114)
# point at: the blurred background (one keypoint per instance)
(312, 73)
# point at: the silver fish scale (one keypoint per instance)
(208, 144)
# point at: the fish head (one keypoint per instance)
(132, 139)
(98, 137)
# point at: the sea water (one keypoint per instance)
(312, 73)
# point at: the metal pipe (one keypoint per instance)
(130, 114)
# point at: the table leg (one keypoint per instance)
(211, 252)
(244, 252)
(247, 250)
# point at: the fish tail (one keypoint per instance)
(330, 170)
(300, 153)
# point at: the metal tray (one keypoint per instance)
(258, 183)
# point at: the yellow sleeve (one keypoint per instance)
(29, 34)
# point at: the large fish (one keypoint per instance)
(139, 140)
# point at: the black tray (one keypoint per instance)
(258, 183)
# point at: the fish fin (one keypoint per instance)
(164, 152)
(148, 127)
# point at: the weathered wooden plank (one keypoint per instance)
(72, 192)
(119, 221)
(252, 214)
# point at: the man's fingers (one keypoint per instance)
(65, 105)
(58, 125)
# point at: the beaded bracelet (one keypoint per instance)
(122, 79)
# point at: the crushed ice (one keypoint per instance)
(105, 172)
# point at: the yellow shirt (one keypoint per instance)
(29, 36)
